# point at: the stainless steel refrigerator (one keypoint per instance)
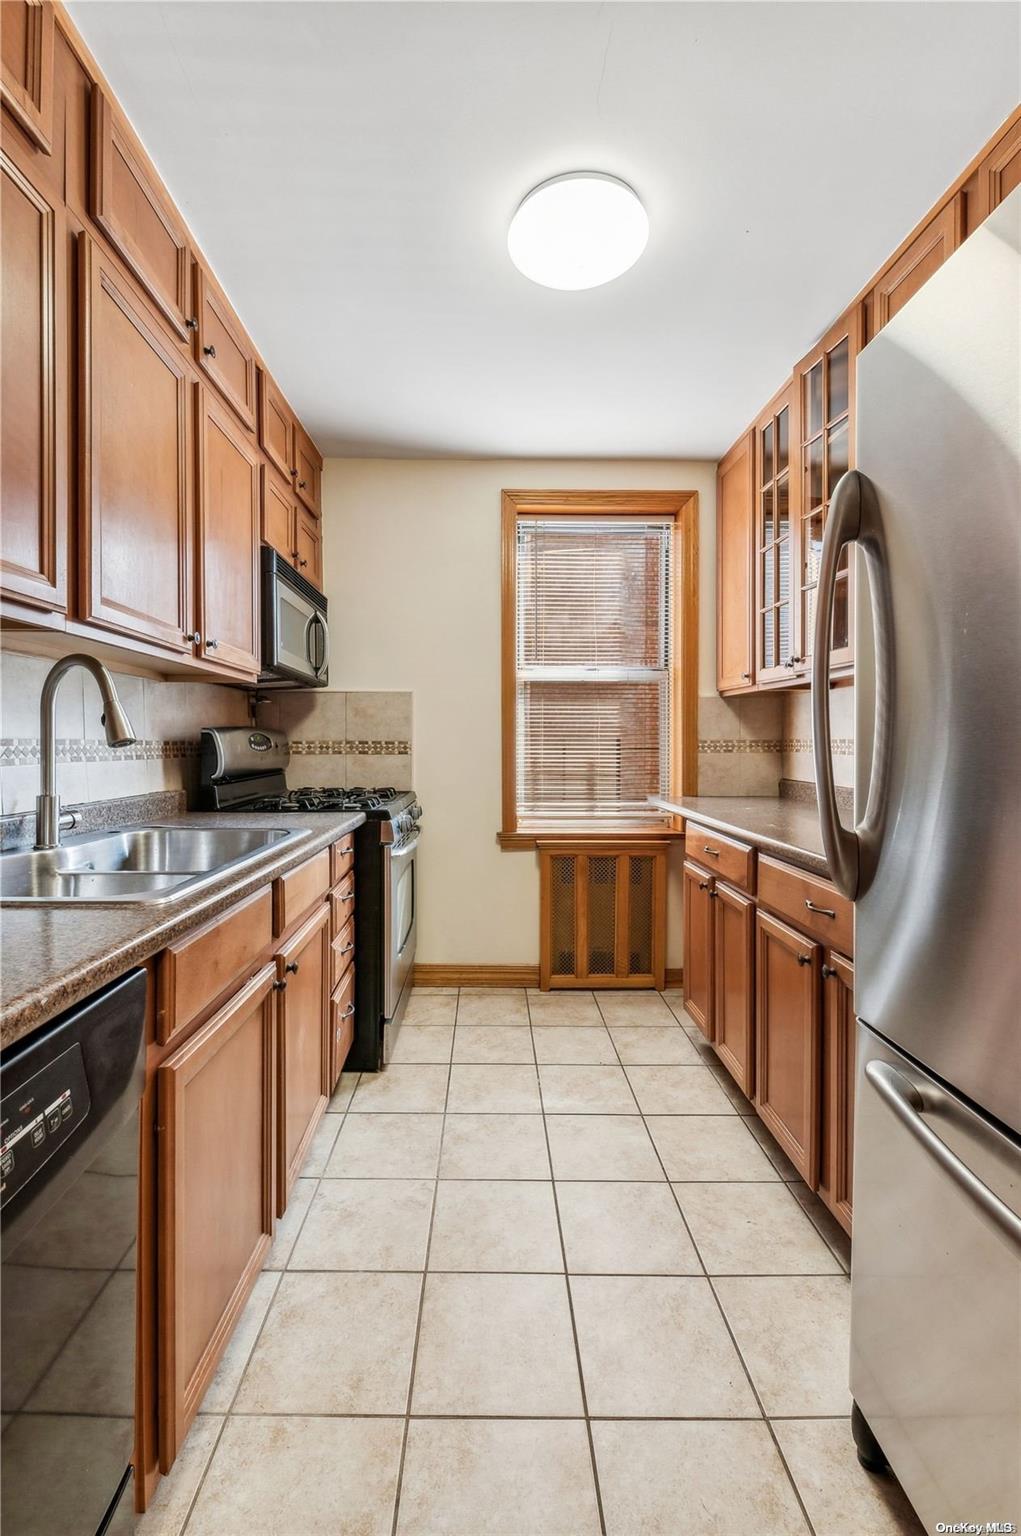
(934, 866)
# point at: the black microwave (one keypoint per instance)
(295, 632)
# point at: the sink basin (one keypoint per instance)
(133, 864)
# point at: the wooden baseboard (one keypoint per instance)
(675, 977)
(476, 976)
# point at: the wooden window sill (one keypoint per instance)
(599, 833)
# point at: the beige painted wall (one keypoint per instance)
(412, 571)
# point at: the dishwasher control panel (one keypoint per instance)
(37, 1118)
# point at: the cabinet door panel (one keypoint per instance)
(342, 1024)
(222, 350)
(308, 466)
(787, 1041)
(215, 1153)
(735, 567)
(33, 429)
(136, 537)
(733, 984)
(133, 211)
(913, 268)
(998, 175)
(278, 514)
(698, 947)
(303, 1046)
(276, 427)
(836, 1158)
(26, 67)
(777, 519)
(308, 547)
(228, 540)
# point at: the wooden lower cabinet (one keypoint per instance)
(698, 947)
(215, 1203)
(838, 1074)
(788, 1030)
(342, 1024)
(303, 1044)
(733, 987)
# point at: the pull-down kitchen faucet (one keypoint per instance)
(48, 820)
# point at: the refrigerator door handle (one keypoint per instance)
(853, 518)
(907, 1102)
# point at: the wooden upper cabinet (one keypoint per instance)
(997, 176)
(215, 1159)
(836, 1151)
(308, 470)
(698, 947)
(136, 464)
(222, 349)
(276, 427)
(735, 567)
(308, 547)
(132, 209)
(27, 39)
(33, 414)
(303, 1044)
(279, 514)
(734, 984)
(787, 1029)
(777, 504)
(227, 539)
(915, 265)
(825, 382)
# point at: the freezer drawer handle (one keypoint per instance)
(908, 1103)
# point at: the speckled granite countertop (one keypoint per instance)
(52, 957)
(788, 829)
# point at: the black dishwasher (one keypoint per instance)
(68, 1224)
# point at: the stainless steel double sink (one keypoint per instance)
(133, 865)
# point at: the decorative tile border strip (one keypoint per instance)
(722, 745)
(333, 747)
(841, 746)
(23, 751)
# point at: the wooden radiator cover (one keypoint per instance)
(602, 913)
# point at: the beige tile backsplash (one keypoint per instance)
(739, 744)
(344, 738)
(797, 736)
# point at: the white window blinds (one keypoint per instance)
(593, 667)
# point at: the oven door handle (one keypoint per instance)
(402, 853)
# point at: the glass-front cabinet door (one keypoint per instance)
(825, 384)
(776, 526)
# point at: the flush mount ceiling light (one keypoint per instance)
(578, 230)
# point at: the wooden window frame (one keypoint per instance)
(682, 506)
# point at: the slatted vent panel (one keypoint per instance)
(562, 914)
(640, 913)
(603, 916)
(602, 924)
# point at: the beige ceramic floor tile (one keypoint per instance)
(386, 1147)
(169, 1505)
(714, 1147)
(624, 1229)
(678, 1091)
(495, 1044)
(779, 1159)
(493, 1090)
(366, 1224)
(422, 1090)
(492, 1006)
(221, 1390)
(334, 1343)
(824, 1221)
(653, 1045)
(321, 1146)
(601, 1147)
(341, 1098)
(319, 1477)
(494, 1147)
(498, 1225)
(653, 1347)
(430, 1006)
(753, 1229)
(498, 1477)
(496, 1344)
(575, 1044)
(585, 1090)
(793, 1332)
(427, 1042)
(289, 1225)
(654, 1477)
(634, 1008)
(842, 1499)
(563, 1008)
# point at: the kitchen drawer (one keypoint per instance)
(296, 893)
(723, 855)
(342, 949)
(342, 857)
(342, 904)
(342, 1024)
(198, 969)
(813, 905)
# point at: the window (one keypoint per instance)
(589, 684)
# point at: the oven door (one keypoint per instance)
(399, 921)
(296, 638)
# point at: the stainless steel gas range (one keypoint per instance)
(245, 769)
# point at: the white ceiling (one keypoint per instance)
(350, 170)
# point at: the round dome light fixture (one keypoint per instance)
(578, 230)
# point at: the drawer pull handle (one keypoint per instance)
(349, 897)
(713, 853)
(804, 959)
(822, 911)
(347, 949)
(291, 967)
(349, 849)
(348, 1011)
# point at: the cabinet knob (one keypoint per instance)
(804, 959)
(302, 484)
(291, 967)
(302, 562)
(703, 885)
(827, 972)
(209, 351)
(746, 677)
(196, 638)
(280, 986)
(192, 323)
(211, 645)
